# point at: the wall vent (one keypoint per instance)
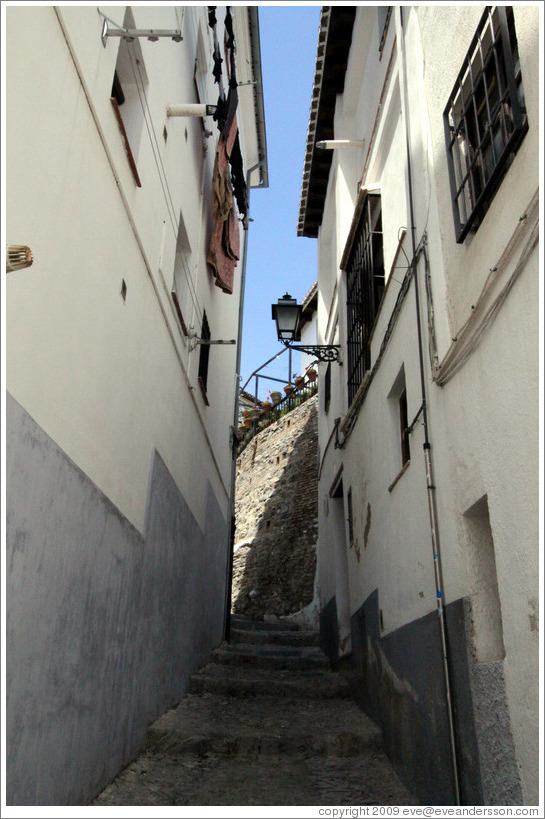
(18, 257)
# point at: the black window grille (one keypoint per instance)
(404, 423)
(485, 118)
(384, 13)
(365, 286)
(117, 89)
(327, 388)
(204, 353)
(350, 517)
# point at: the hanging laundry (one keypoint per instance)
(230, 40)
(225, 111)
(225, 115)
(228, 182)
(222, 190)
(232, 236)
(224, 250)
(216, 71)
(238, 180)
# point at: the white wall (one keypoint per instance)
(488, 416)
(484, 421)
(118, 496)
(110, 380)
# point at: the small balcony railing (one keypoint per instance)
(262, 416)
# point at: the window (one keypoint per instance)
(365, 286)
(404, 429)
(201, 69)
(129, 89)
(327, 388)
(350, 517)
(396, 418)
(181, 284)
(485, 118)
(204, 356)
(384, 13)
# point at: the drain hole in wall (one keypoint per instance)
(124, 290)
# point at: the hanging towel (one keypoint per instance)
(224, 250)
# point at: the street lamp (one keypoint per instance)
(287, 315)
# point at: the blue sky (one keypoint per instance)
(279, 260)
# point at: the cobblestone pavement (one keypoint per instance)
(265, 723)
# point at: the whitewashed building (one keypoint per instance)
(424, 202)
(118, 418)
(309, 326)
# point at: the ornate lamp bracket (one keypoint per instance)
(323, 352)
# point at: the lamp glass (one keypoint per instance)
(287, 314)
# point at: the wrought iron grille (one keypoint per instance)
(384, 14)
(485, 118)
(204, 353)
(327, 388)
(365, 286)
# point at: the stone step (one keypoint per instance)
(189, 779)
(232, 680)
(270, 656)
(302, 637)
(207, 724)
(241, 621)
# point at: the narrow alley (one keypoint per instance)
(266, 722)
(271, 408)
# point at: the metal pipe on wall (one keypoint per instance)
(232, 524)
(431, 488)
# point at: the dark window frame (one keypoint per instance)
(126, 143)
(485, 118)
(125, 95)
(383, 23)
(117, 90)
(404, 428)
(350, 518)
(327, 388)
(364, 288)
(204, 357)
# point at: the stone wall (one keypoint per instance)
(277, 517)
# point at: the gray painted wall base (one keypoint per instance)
(104, 626)
(399, 681)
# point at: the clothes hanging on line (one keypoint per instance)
(228, 182)
(216, 71)
(224, 250)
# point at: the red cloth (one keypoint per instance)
(224, 251)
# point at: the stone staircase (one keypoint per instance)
(265, 722)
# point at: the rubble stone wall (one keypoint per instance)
(277, 517)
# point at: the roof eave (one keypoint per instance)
(258, 95)
(334, 39)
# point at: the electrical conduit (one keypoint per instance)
(427, 444)
(232, 525)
